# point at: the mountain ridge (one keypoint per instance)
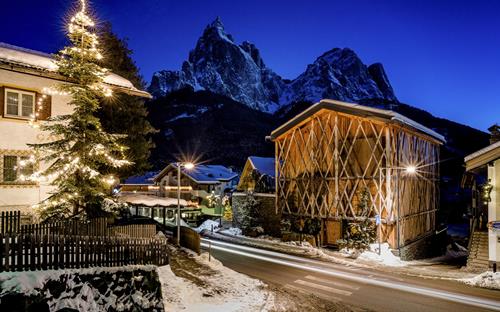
(238, 71)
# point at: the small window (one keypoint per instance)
(9, 168)
(20, 104)
(13, 171)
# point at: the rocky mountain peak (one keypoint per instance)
(218, 64)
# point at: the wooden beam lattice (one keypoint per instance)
(324, 164)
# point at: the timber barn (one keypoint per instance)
(333, 152)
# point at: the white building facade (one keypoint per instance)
(25, 76)
(489, 158)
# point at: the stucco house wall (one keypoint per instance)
(16, 134)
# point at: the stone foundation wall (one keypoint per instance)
(426, 247)
(264, 215)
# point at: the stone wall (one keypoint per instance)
(264, 214)
(426, 247)
(129, 288)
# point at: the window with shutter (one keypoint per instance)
(18, 103)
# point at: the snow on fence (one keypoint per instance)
(22, 252)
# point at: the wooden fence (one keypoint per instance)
(22, 252)
(10, 221)
(133, 230)
(190, 239)
(93, 227)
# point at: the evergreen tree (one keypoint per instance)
(83, 154)
(126, 113)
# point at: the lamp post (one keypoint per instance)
(188, 166)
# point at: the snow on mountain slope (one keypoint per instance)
(218, 64)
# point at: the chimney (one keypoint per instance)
(495, 133)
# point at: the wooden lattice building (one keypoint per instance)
(333, 152)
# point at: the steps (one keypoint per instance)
(478, 252)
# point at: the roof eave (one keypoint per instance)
(45, 73)
(352, 109)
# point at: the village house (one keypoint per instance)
(258, 175)
(334, 152)
(484, 245)
(200, 181)
(257, 183)
(25, 76)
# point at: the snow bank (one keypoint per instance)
(207, 225)
(386, 257)
(485, 280)
(232, 231)
(226, 290)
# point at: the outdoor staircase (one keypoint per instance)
(478, 252)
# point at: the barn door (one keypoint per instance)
(333, 231)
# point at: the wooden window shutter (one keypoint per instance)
(45, 111)
(2, 101)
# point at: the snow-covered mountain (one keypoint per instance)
(218, 64)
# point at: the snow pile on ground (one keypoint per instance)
(232, 231)
(486, 280)
(386, 257)
(208, 225)
(225, 290)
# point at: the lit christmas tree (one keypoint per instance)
(83, 156)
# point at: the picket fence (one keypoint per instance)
(10, 221)
(23, 252)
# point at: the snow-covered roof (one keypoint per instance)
(264, 165)
(202, 174)
(483, 156)
(44, 62)
(149, 200)
(146, 179)
(358, 110)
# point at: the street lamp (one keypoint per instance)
(188, 166)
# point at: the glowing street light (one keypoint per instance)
(188, 166)
(411, 169)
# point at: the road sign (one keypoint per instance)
(377, 219)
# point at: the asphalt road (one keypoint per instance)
(370, 289)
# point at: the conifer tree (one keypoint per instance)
(126, 113)
(82, 155)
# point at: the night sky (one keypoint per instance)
(441, 56)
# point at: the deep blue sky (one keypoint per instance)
(442, 56)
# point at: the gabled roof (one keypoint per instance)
(357, 110)
(15, 57)
(483, 156)
(202, 174)
(264, 165)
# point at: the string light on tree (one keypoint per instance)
(82, 156)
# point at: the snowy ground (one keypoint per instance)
(485, 280)
(193, 283)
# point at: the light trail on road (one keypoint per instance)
(286, 260)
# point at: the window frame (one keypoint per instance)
(20, 94)
(17, 170)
